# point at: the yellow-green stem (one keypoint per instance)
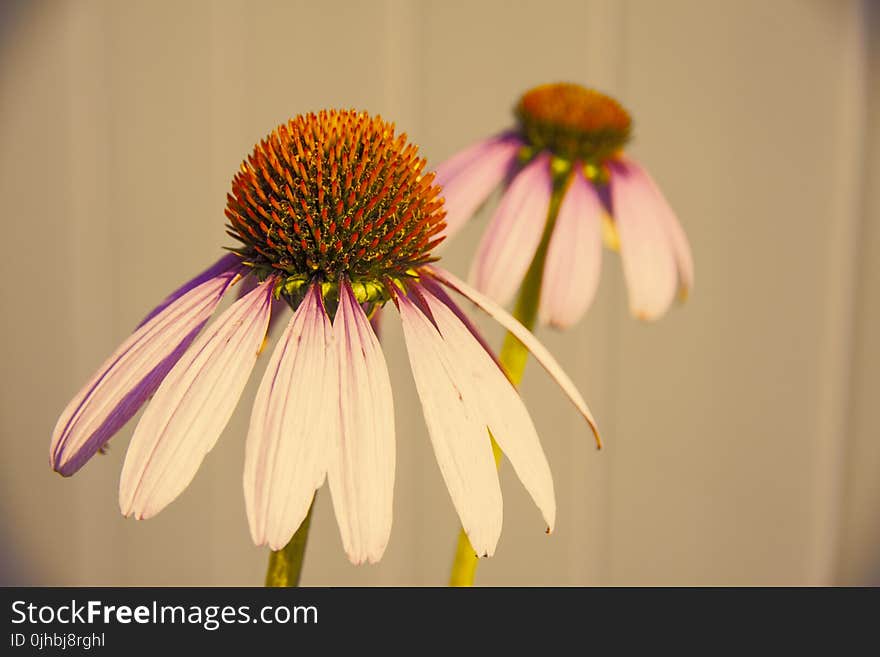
(513, 358)
(285, 565)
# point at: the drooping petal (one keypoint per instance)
(458, 432)
(292, 434)
(438, 291)
(574, 256)
(497, 402)
(680, 245)
(361, 473)
(280, 307)
(453, 166)
(227, 263)
(510, 242)
(646, 249)
(468, 177)
(521, 333)
(132, 374)
(192, 406)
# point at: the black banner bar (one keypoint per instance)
(117, 621)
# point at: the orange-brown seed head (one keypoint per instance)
(335, 193)
(573, 122)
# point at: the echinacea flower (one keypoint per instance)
(335, 217)
(568, 140)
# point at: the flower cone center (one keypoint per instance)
(573, 122)
(332, 194)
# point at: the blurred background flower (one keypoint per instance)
(567, 186)
(740, 443)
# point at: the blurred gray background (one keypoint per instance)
(741, 441)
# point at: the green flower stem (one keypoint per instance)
(513, 358)
(285, 565)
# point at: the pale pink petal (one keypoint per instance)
(457, 430)
(574, 256)
(362, 472)
(680, 245)
(510, 242)
(646, 249)
(192, 406)
(453, 166)
(132, 374)
(438, 291)
(497, 404)
(228, 263)
(468, 177)
(376, 322)
(292, 434)
(280, 307)
(521, 333)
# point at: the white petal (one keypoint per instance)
(457, 430)
(521, 333)
(293, 427)
(440, 292)
(132, 374)
(362, 472)
(192, 406)
(574, 256)
(509, 244)
(499, 405)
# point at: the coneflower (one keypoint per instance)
(335, 216)
(568, 181)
